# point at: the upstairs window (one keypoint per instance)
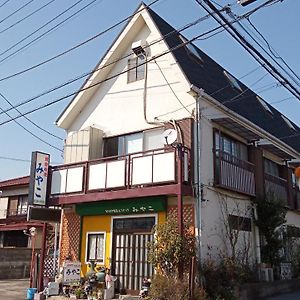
(264, 105)
(231, 146)
(288, 122)
(136, 68)
(192, 49)
(135, 142)
(233, 82)
(22, 205)
(271, 168)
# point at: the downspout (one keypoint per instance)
(197, 178)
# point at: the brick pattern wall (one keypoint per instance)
(70, 239)
(188, 213)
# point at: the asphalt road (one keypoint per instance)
(14, 289)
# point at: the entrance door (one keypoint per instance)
(130, 239)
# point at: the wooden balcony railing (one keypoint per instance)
(154, 167)
(233, 173)
(276, 186)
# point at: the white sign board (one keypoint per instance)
(71, 272)
(38, 178)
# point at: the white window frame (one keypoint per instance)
(233, 81)
(87, 245)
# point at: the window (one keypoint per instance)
(271, 167)
(95, 246)
(264, 105)
(239, 223)
(136, 69)
(231, 146)
(135, 142)
(22, 205)
(288, 122)
(234, 83)
(191, 48)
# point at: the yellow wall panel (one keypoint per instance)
(95, 223)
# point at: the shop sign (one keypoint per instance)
(38, 178)
(123, 207)
(71, 272)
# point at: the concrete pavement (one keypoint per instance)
(14, 289)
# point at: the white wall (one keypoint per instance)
(116, 106)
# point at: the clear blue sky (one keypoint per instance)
(279, 23)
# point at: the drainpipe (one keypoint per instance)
(197, 94)
(42, 259)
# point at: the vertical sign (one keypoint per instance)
(38, 178)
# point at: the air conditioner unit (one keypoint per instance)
(138, 48)
(266, 274)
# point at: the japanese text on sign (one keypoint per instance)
(71, 272)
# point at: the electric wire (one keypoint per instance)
(47, 32)
(16, 11)
(26, 17)
(108, 78)
(248, 47)
(5, 2)
(106, 65)
(30, 132)
(272, 50)
(271, 56)
(74, 93)
(29, 120)
(77, 45)
(38, 29)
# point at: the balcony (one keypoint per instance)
(135, 175)
(276, 186)
(234, 174)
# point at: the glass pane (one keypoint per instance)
(92, 239)
(134, 143)
(100, 247)
(226, 145)
(153, 139)
(140, 70)
(217, 141)
(131, 74)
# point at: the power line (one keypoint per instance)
(27, 130)
(109, 64)
(16, 11)
(248, 47)
(35, 31)
(91, 86)
(109, 78)
(48, 31)
(26, 17)
(4, 3)
(77, 45)
(33, 123)
(229, 12)
(276, 55)
(22, 160)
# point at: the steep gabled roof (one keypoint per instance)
(209, 76)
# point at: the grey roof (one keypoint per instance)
(209, 75)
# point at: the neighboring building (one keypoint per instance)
(13, 214)
(120, 178)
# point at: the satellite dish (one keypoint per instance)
(169, 136)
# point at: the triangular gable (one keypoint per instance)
(103, 68)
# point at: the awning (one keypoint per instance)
(237, 128)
